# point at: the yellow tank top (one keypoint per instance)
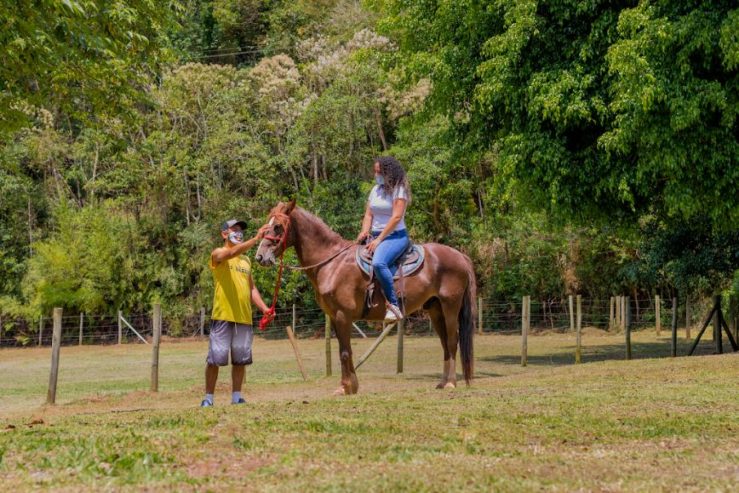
(232, 297)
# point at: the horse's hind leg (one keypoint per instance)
(451, 310)
(436, 314)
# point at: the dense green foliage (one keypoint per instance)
(567, 146)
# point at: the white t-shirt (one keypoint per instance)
(381, 206)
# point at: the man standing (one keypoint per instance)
(231, 326)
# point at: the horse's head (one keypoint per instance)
(277, 234)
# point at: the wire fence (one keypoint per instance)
(497, 317)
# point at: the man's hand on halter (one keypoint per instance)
(362, 236)
(261, 232)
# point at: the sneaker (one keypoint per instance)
(206, 403)
(241, 401)
(393, 313)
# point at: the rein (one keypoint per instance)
(325, 261)
(269, 315)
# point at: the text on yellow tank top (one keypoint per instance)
(232, 297)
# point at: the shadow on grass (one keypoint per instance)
(610, 352)
(434, 377)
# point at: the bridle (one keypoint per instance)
(284, 220)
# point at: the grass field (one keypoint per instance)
(656, 424)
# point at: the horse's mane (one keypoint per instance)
(310, 222)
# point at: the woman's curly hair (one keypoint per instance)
(394, 176)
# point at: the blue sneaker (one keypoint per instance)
(240, 401)
(206, 403)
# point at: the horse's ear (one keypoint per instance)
(289, 207)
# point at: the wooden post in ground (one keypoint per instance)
(479, 315)
(294, 343)
(657, 315)
(328, 346)
(82, 323)
(627, 325)
(156, 321)
(612, 314)
(732, 317)
(578, 329)
(295, 319)
(525, 320)
(202, 321)
(40, 329)
(717, 325)
(571, 307)
(386, 328)
(617, 308)
(401, 336)
(56, 340)
(120, 327)
(674, 328)
(688, 322)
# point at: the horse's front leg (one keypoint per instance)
(349, 382)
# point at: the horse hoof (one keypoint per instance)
(340, 391)
(440, 385)
(450, 385)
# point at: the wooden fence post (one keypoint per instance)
(202, 321)
(120, 327)
(657, 314)
(328, 346)
(40, 329)
(82, 323)
(401, 336)
(717, 335)
(56, 340)
(674, 328)
(525, 320)
(688, 322)
(295, 319)
(479, 315)
(617, 310)
(294, 343)
(156, 337)
(571, 306)
(612, 314)
(578, 337)
(627, 324)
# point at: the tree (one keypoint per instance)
(79, 58)
(599, 108)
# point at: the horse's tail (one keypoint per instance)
(467, 319)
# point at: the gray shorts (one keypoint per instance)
(229, 335)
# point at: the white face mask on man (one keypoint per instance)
(236, 237)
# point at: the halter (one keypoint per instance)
(284, 221)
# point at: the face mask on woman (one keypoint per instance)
(379, 179)
(236, 237)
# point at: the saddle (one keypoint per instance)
(409, 261)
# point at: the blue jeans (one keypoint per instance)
(383, 262)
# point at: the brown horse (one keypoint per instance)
(444, 287)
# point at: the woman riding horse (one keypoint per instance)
(384, 222)
(444, 286)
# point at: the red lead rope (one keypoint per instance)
(269, 315)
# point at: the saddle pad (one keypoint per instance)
(411, 260)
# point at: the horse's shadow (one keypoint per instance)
(436, 376)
